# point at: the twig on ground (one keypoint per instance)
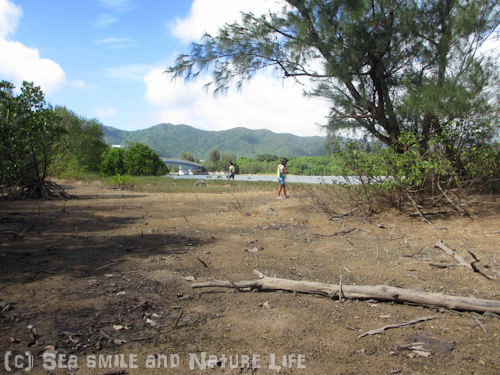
(106, 265)
(392, 231)
(444, 265)
(340, 289)
(460, 209)
(178, 318)
(264, 337)
(9, 232)
(478, 322)
(202, 262)
(457, 257)
(418, 210)
(382, 329)
(336, 233)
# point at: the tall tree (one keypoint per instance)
(214, 155)
(140, 160)
(81, 149)
(386, 66)
(29, 128)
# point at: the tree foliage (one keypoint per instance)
(189, 157)
(218, 162)
(388, 67)
(113, 162)
(214, 155)
(29, 130)
(81, 149)
(136, 160)
(140, 160)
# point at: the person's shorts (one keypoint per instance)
(281, 181)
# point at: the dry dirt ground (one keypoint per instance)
(104, 281)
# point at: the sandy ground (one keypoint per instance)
(104, 283)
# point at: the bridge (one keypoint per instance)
(185, 167)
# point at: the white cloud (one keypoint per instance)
(264, 103)
(9, 18)
(104, 21)
(209, 15)
(20, 63)
(176, 117)
(161, 90)
(105, 112)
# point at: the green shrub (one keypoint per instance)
(113, 162)
(140, 160)
(123, 182)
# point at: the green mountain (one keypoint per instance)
(170, 141)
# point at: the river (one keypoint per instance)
(253, 177)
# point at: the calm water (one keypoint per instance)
(290, 179)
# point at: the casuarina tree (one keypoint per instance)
(388, 67)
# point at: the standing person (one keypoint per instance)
(231, 171)
(281, 174)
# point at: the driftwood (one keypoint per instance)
(378, 292)
(461, 261)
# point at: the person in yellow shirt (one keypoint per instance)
(231, 171)
(281, 175)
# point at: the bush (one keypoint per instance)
(113, 162)
(123, 182)
(138, 160)
(411, 178)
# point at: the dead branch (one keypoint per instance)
(336, 233)
(9, 232)
(349, 213)
(427, 213)
(178, 318)
(457, 257)
(378, 292)
(418, 210)
(7, 219)
(457, 207)
(441, 265)
(404, 324)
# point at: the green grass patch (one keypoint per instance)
(160, 184)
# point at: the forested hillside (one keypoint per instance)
(171, 140)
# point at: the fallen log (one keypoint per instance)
(378, 292)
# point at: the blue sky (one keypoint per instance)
(105, 59)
